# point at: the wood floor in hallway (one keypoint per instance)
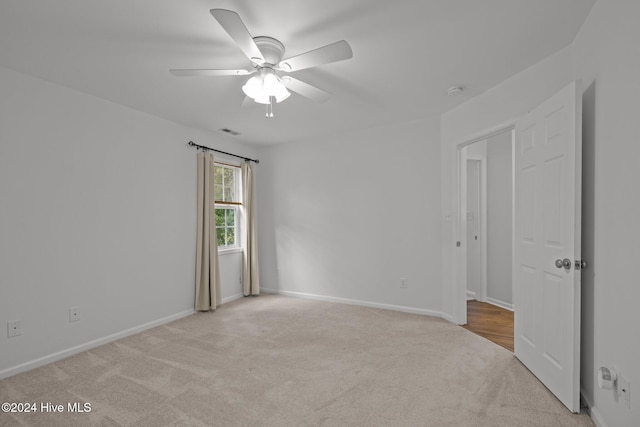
(490, 321)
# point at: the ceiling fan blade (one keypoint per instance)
(204, 72)
(333, 52)
(234, 26)
(306, 90)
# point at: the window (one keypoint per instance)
(227, 201)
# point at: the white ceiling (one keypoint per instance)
(406, 53)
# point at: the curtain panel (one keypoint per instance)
(208, 294)
(250, 279)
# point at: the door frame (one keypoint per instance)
(482, 212)
(459, 291)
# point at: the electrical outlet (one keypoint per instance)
(403, 283)
(14, 328)
(74, 314)
(624, 388)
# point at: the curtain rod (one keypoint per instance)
(246, 159)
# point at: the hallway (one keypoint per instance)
(491, 322)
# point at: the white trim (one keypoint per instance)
(231, 298)
(501, 304)
(593, 411)
(458, 264)
(482, 212)
(596, 417)
(59, 355)
(217, 158)
(447, 317)
(229, 250)
(486, 134)
(470, 295)
(401, 308)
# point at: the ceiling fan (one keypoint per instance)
(268, 82)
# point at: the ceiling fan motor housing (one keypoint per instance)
(272, 49)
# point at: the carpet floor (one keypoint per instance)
(279, 361)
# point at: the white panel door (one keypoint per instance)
(547, 229)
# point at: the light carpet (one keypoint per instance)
(280, 361)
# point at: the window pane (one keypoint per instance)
(217, 192)
(217, 175)
(231, 236)
(229, 194)
(220, 217)
(231, 218)
(220, 235)
(228, 176)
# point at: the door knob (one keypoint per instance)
(564, 263)
(580, 264)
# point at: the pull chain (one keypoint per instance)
(269, 113)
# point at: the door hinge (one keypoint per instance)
(458, 244)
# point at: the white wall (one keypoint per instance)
(350, 215)
(499, 213)
(604, 55)
(97, 211)
(607, 60)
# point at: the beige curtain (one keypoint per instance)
(207, 272)
(250, 280)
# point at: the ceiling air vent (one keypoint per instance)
(229, 131)
(455, 90)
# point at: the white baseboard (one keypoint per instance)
(502, 304)
(447, 317)
(231, 298)
(63, 354)
(596, 417)
(402, 308)
(471, 295)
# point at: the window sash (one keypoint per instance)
(222, 188)
(227, 228)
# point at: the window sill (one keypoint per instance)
(229, 251)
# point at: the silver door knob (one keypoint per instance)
(564, 263)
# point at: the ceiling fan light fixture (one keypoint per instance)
(265, 99)
(270, 83)
(252, 88)
(266, 84)
(282, 96)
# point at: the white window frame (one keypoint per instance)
(236, 206)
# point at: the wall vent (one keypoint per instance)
(229, 131)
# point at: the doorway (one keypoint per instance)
(487, 235)
(546, 240)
